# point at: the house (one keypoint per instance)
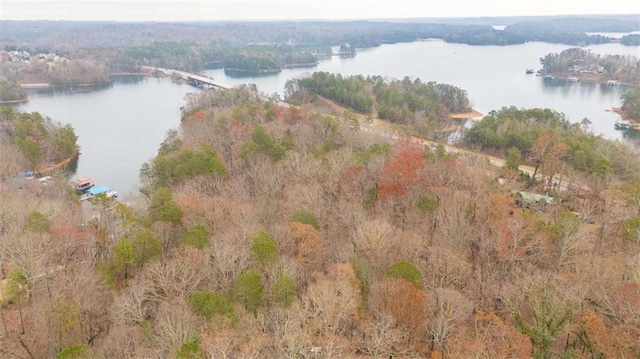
(19, 56)
(532, 200)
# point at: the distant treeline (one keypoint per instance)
(50, 35)
(191, 56)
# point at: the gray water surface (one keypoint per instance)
(119, 126)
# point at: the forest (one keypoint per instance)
(585, 65)
(271, 231)
(546, 140)
(38, 140)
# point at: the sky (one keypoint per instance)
(162, 10)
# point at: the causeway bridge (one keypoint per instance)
(193, 79)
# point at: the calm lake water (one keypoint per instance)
(120, 126)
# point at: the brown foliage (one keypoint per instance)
(311, 250)
(408, 307)
(488, 336)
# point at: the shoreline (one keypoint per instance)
(9, 102)
(593, 81)
(47, 85)
(466, 115)
(302, 65)
(141, 73)
(58, 165)
(35, 85)
(256, 72)
(632, 122)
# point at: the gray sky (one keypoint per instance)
(299, 9)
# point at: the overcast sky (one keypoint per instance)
(299, 9)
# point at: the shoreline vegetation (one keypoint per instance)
(11, 92)
(635, 124)
(630, 109)
(38, 143)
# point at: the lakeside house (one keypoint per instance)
(19, 56)
(590, 69)
(25, 57)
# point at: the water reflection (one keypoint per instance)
(128, 79)
(247, 74)
(631, 135)
(68, 90)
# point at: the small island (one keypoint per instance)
(578, 64)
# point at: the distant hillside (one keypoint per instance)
(48, 35)
(579, 24)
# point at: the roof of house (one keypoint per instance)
(100, 189)
(534, 197)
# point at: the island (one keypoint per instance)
(577, 64)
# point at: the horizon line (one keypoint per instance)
(329, 19)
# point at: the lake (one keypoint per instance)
(120, 126)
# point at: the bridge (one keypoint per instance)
(191, 78)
